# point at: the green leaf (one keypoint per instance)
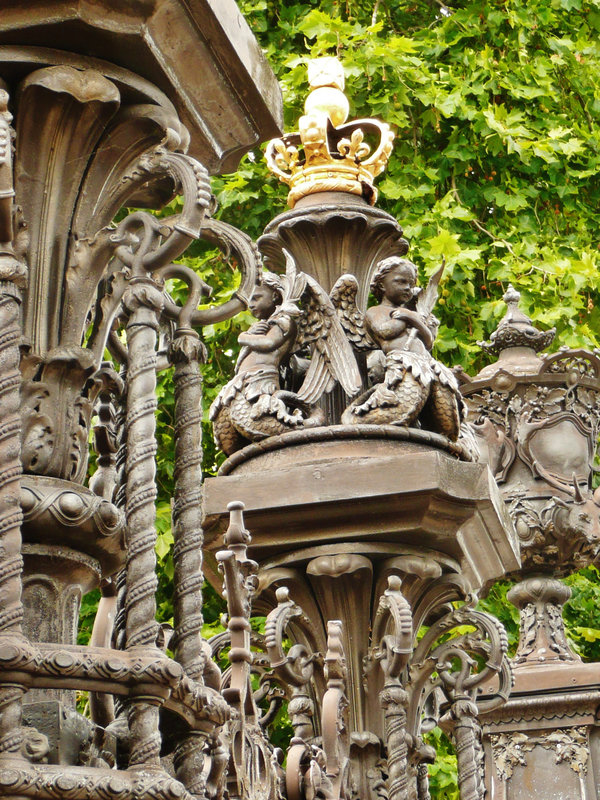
(444, 244)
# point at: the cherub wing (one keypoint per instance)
(427, 299)
(343, 297)
(332, 357)
(294, 284)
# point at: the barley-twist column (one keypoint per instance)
(13, 276)
(423, 782)
(144, 302)
(11, 561)
(185, 354)
(394, 700)
(118, 635)
(186, 351)
(467, 734)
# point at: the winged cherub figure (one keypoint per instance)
(414, 386)
(294, 313)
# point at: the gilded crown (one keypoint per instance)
(326, 155)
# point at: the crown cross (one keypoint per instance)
(326, 155)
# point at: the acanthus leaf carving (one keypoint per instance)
(570, 745)
(542, 634)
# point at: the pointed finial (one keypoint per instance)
(511, 296)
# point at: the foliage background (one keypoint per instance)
(496, 168)
(496, 105)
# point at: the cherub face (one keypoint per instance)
(398, 285)
(263, 302)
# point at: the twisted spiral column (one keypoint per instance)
(394, 700)
(423, 782)
(189, 760)
(121, 455)
(144, 302)
(11, 561)
(118, 634)
(119, 726)
(467, 737)
(185, 353)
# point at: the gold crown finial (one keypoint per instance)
(326, 155)
(326, 81)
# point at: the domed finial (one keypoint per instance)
(516, 329)
(327, 154)
(511, 296)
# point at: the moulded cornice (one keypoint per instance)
(201, 53)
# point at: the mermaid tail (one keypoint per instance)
(415, 388)
(442, 411)
(238, 419)
(226, 435)
(381, 405)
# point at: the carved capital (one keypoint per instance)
(186, 347)
(542, 635)
(144, 294)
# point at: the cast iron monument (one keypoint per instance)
(375, 519)
(369, 516)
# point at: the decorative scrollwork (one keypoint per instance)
(296, 667)
(322, 772)
(254, 770)
(457, 666)
(393, 651)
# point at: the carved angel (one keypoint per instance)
(294, 314)
(412, 386)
